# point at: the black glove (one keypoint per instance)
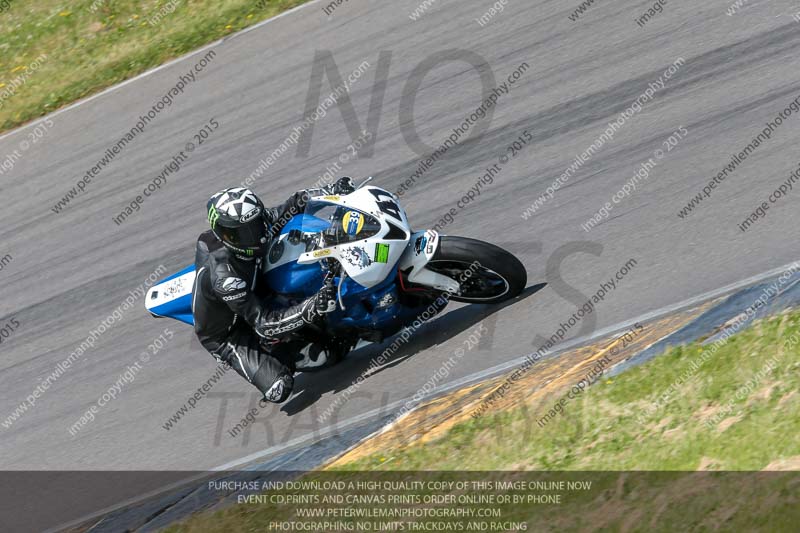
(320, 304)
(325, 300)
(344, 185)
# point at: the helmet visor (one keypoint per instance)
(247, 235)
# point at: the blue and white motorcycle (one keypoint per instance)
(385, 274)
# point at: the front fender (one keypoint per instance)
(420, 250)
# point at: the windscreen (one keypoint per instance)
(337, 224)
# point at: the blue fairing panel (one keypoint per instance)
(296, 279)
(180, 309)
(172, 297)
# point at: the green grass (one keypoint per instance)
(612, 427)
(82, 51)
(748, 388)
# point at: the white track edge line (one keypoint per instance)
(153, 70)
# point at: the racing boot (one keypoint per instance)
(314, 356)
(317, 356)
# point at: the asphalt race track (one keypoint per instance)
(70, 270)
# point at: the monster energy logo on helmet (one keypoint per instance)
(213, 216)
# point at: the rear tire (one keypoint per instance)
(499, 275)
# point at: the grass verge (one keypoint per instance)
(53, 53)
(688, 409)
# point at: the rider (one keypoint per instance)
(237, 319)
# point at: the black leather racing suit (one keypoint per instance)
(232, 313)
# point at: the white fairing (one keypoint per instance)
(420, 251)
(367, 261)
(371, 260)
(168, 291)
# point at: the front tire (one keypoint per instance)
(496, 274)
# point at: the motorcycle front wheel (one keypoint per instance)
(486, 273)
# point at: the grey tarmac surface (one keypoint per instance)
(71, 270)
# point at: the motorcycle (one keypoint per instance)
(384, 274)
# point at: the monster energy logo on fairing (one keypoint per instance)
(213, 216)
